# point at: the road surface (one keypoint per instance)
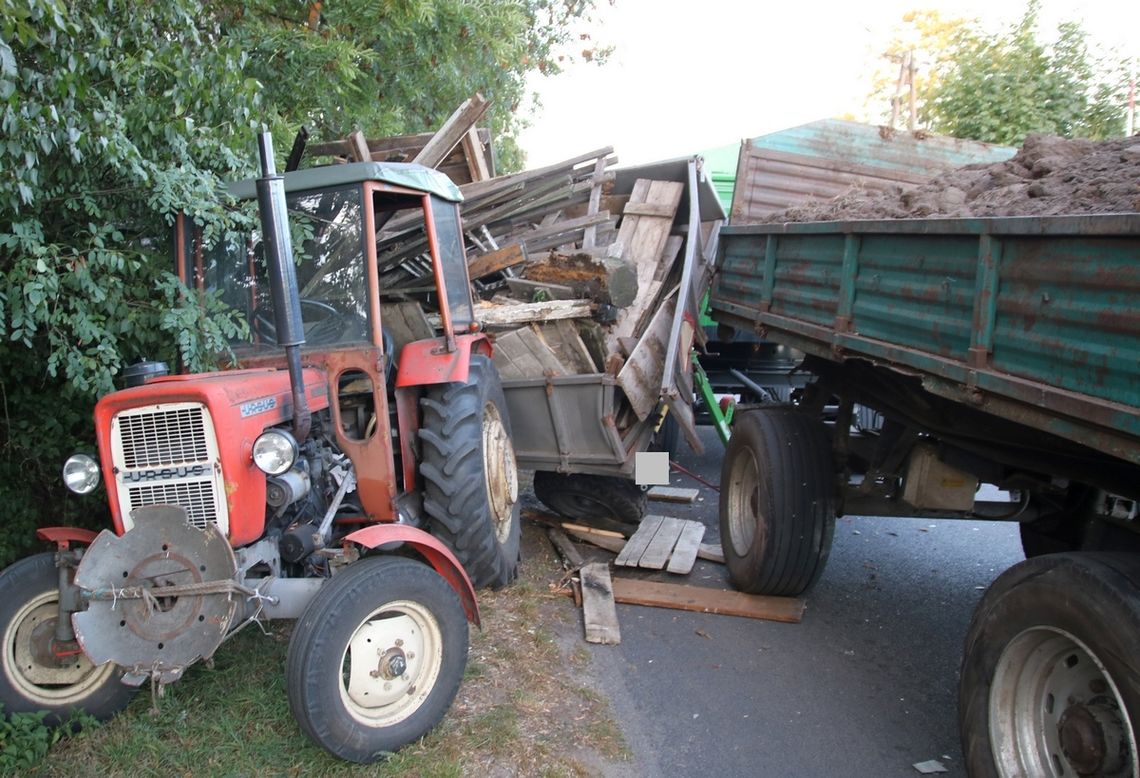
(864, 686)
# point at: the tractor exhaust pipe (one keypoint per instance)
(282, 278)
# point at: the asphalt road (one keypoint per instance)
(864, 686)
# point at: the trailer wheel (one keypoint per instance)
(1048, 684)
(32, 676)
(605, 502)
(377, 657)
(777, 502)
(471, 482)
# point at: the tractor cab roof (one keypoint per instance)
(405, 174)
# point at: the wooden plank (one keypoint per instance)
(589, 238)
(358, 147)
(601, 541)
(570, 554)
(524, 313)
(451, 133)
(602, 533)
(405, 322)
(521, 354)
(598, 610)
(637, 544)
(711, 551)
(650, 209)
(688, 545)
(640, 377)
(571, 349)
(494, 261)
(642, 240)
(476, 159)
(705, 600)
(661, 547)
(672, 494)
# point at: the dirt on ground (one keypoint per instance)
(1049, 176)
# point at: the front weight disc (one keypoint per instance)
(155, 634)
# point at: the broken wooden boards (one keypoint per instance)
(705, 600)
(662, 542)
(598, 609)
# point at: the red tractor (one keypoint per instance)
(334, 476)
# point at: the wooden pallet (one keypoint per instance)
(663, 542)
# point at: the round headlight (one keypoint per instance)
(81, 473)
(274, 452)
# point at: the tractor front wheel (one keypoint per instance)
(37, 673)
(376, 659)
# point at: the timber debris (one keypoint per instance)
(574, 272)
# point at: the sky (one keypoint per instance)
(691, 75)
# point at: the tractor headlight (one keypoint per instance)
(81, 473)
(274, 452)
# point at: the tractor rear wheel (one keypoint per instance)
(36, 673)
(376, 659)
(471, 481)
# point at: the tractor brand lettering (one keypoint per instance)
(254, 407)
(165, 473)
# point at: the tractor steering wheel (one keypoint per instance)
(324, 324)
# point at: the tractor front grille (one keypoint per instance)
(168, 455)
(166, 437)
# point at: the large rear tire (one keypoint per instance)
(777, 501)
(605, 502)
(471, 483)
(32, 676)
(377, 657)
(1048, 684)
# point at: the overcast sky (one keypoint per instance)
(691, 75)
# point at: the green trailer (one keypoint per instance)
(973, 368)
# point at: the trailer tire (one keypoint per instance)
(777, 501)
(471, 483)
(1048, 686)
(31, 679)
(601, 501)
(409, 625)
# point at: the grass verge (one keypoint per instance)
(521, 710)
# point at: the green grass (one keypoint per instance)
(519, 709)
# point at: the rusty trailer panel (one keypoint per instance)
(824, 159)
(1031, 318)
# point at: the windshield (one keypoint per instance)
(327, 231)
(328, 249)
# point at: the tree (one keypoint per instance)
(114, 115)
(999, 88)
(919, 40)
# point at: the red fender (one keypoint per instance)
(63, 537)
(426, 362)
(433, 550)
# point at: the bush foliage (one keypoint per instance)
(115, 115)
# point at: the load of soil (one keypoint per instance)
(1049, 176)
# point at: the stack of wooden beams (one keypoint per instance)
(570, 276)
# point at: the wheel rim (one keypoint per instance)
(1054, 710)
(743, 493)
(501, 470)
(391, 664)
(31, 667)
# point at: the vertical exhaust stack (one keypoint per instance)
(282, 278)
